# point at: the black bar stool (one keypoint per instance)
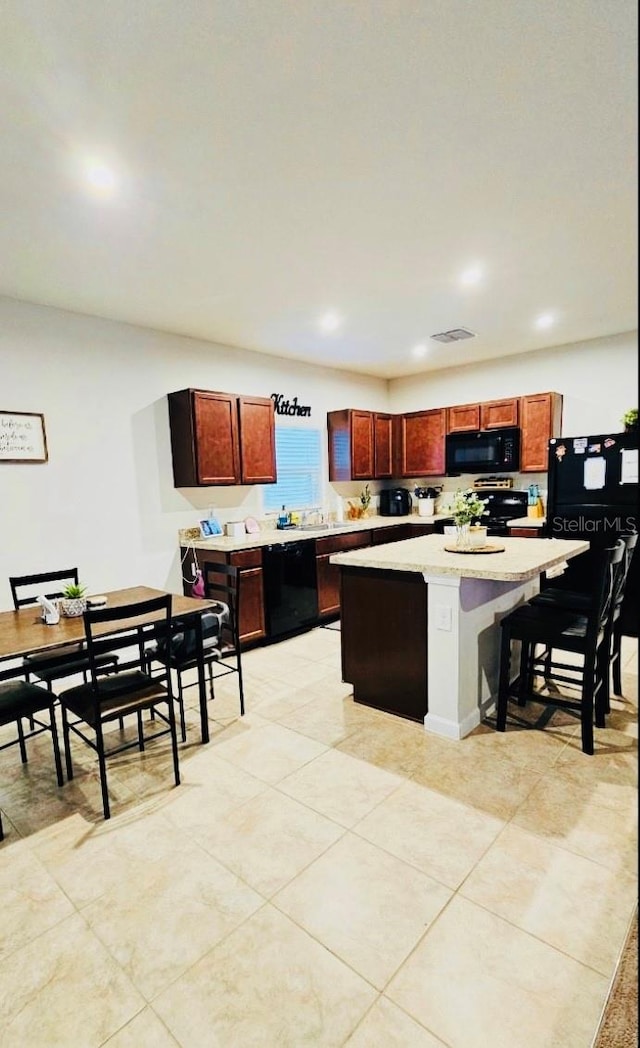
(586, 633)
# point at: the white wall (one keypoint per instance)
(598, 381)
(105, 500)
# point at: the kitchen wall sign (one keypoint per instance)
(290, 407)
(22, 437)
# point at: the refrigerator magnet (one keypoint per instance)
(579, 445)
(609, 442)
(595, 449)
(560, 452)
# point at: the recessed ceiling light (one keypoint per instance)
(329, 322)
(420, 350)
(545, 320)
(471, 276)
(100, 178)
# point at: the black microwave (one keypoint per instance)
(483, 451)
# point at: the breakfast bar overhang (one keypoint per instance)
(420, 626)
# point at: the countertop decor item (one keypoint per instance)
(365, 498)
(427, 500)
(466, 507)
(73, 601)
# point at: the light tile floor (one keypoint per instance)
(325, 875)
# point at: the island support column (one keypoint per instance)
(463, 642)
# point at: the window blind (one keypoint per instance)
(298, 459)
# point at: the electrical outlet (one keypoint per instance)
(442, 617)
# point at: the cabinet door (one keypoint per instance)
(361, 445)
(540, 419)
(380, 536)
(383, 445)
(524, 533)
(328, 576)
(216, 437)
(257, 440)
(422, 443)
(463, 417)
(251, 605)
(496, 413)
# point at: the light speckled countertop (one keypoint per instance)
(271, 536)
(522, 559)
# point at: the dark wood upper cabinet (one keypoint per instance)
(420, 443)
(489, 414)
(351, 454)
(382, 446)
(257, 440)
(497, 413)
(463, 417)
(221, 438)
(540, 419)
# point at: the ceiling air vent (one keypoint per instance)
(455, 335)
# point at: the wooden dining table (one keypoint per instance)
(24, 632)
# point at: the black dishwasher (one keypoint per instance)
(290, 586)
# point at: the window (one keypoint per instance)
(299, 469)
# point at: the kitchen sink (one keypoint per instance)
(325, 526)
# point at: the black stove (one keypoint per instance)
(502, 507)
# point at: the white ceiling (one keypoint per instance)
(279, 158)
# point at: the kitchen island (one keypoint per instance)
(420, 626)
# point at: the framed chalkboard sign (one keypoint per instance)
(22, 437)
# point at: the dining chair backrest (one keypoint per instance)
(131, 627)
(609, 567)
(222, 583)
(49, 584)
(630, 540)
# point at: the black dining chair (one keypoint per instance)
(20, 701)
(67, 660)
(132, 690)
(220, 637)
(555, 596)
(585, 633)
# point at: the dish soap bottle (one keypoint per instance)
(283, 520)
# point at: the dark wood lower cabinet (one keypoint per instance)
(384, 639)
(328, 576)
(525, 533)
(252, 621)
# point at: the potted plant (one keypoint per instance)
(466, 507)
(365, 499)
(73, 602)
(630, 420)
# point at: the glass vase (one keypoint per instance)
(463, 537)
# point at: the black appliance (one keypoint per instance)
(502, 507)
(290, 586)
(395, 502)
(483, 451)
(593, 495)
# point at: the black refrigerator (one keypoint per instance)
(593, 495)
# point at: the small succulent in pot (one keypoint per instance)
(630, 420)
(73, 601)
